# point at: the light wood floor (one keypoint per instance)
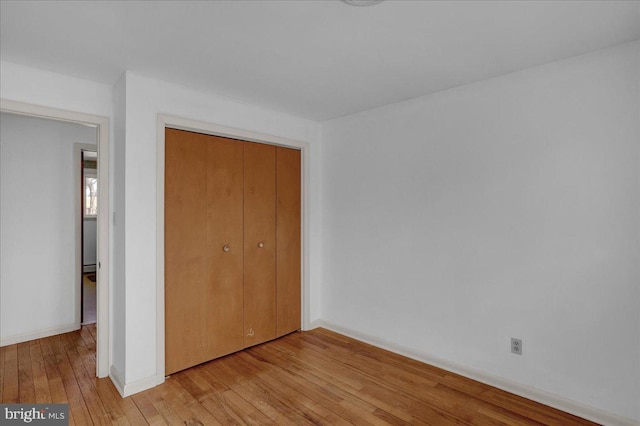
(316, 377)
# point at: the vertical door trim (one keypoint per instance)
(174, 122)
(103, 244)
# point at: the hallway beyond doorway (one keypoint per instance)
(89, 298)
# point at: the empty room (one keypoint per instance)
(304, 212)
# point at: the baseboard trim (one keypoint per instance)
(314, 324)
(140, 385)
(117, 380)
(39, 334)
(552, 400)
(128, 389)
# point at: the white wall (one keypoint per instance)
(507, 207)
(118, 299)
(44, 88)
(89, 239)
(37, 228)
(145, 99)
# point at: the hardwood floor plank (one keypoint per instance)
(56, 387)
(466, 398)
(205, 386)
(224, 413)
(366, 351)
(2, 356)
(127, 405)
(77, 404)
(369, 390)
(309, 364)
(40, 379)
(88, 338)
(388, 377)
(99, 414)
(198, 411)
(251, 415)
(203, 383)
(287, 392)
(310, 373)
(151, 415)
(304, 378)
(25, 374)
(174, 404)
(10, 386)
(166, 411)
(269, 405)
(104, 408)
(450, 382)
(531, 409)
(116, 406)
(323, 396)
(93, 331)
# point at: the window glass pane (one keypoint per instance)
(91, 196)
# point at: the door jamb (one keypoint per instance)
(78, 177)
(103, 246)
(174, 122)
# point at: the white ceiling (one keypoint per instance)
(314, 59)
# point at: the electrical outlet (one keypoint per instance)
(516, 346)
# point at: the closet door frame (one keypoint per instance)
(174, 122)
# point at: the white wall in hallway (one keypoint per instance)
(89, 239)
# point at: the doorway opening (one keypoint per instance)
(99, 126)
(89, 206)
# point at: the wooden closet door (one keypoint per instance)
(259, 243)
(288, 269)
(186, 338)
(224, 234)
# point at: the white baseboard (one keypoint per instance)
(141, 385)
(576, 408)
(39, 334)
(314, 324)
(128, 389)
(117, 380)
(88, 268)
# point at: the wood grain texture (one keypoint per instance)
(224, 226)
(222, 208)
(288, 266)
(305, 378)
(185, 227)
(10, 387)
(259, 228)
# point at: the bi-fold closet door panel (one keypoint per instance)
(225, 256)
(185, 250)
(203, 248)
(288, 267)
(259, 243)
(232, 246)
